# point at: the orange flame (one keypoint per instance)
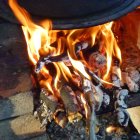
(110, 45)
(111, 129)
(85, 104)
(40, 38)
(79, 67)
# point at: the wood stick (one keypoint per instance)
(70, 103)
(62, 57)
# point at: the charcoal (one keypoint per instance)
(61, 119)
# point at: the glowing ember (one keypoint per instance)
(111, 129)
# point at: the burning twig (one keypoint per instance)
(63, 57)
(50, 59)
(81, 46)
(39, 39)
(98, 80)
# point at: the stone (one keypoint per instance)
(41, 137)
(135, 116)
(16, 105)
(15, 70)
(23, 127)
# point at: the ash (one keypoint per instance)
(74, 131)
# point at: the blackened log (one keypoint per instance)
(62, 57)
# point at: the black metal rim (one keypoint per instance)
(81, 22)
(96, 19)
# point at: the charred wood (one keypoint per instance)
(62, 57)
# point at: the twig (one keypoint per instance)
(62, 57)
(92, 125)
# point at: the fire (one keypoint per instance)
(40, 41)
(111, 129)
(85, 105)
(77, 64)
(110, 45)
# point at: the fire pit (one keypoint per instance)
(84, 76)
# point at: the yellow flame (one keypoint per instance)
(79, 67)
(85, 105)
(110, 45)
(40, 38)
(57, 78)
(110, 129)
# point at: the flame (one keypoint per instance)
(79, 67)
(110, 45)
(85, 104)
(40, 39)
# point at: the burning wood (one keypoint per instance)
(75, 60)
(71, 104)
(84, 47)
(61, 119)
(97, 60)
(50, 109)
